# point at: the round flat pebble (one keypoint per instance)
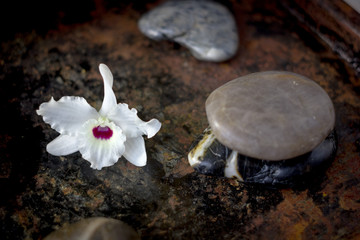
(206, 28)
(271, 115)
(96, 228)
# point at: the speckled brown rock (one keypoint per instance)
(97, 228)
(271, 115)
(163, 200)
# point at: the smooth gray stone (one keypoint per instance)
(207, 28)
(271, 115)
(96, 228)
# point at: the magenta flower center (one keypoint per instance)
(102, 132)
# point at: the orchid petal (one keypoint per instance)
(100, 152)
(131, 124)
(68, 114)
(109, 101)
(62, 145)
(135, 151)
(150, 128)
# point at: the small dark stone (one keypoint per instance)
(212, 158)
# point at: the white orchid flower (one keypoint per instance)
(101, 137)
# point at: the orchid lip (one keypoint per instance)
(101, 132)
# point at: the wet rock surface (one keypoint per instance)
(166, 199)
(206, 28)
